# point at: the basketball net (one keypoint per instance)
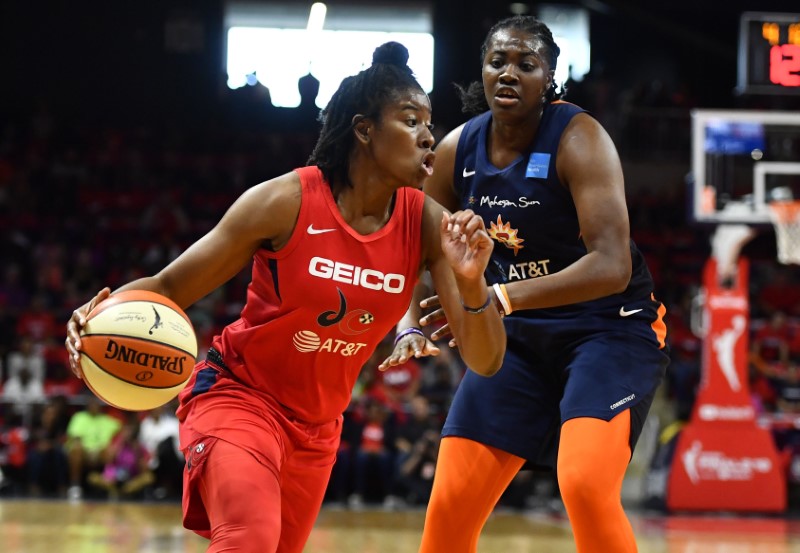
(785, 216)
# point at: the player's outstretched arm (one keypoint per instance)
(457, 264)
(410, 341)
(264, 212)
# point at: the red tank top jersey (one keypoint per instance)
(317, 309)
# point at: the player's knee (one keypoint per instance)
(578, 485)
(245, 527)
(255, 535)
(451, 525)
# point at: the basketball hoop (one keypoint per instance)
(785, 216)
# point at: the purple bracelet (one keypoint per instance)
(406, 332)
(476, 310)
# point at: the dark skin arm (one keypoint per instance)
(588, 165)
(266, 212)
(439, 187)
(413, 345)
(456, 254)
(456, 263)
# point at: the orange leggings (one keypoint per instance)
(592, 459)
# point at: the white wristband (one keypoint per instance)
(501, 295)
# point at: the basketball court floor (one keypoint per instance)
(31, 526)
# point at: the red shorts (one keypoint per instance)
(255, 477)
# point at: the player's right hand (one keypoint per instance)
(411, 345)
(74, 326)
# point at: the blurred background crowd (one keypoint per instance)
(105, 178)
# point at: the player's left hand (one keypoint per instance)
(410, 345)
(465, 243)
(436, 316)
(74, 326)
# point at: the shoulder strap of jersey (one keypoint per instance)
(467, 149)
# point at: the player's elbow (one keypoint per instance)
(619, 281)
(491, 364)
(618, 275)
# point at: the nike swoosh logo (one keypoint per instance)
(623, 313)
(468, 173)
(312, 230)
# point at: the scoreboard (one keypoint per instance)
(769, 53)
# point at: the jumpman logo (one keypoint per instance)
(157, 323)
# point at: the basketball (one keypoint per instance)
(138, 350)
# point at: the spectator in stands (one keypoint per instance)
(50, 260)
(769, 359)
(13, 453)
(63, 411)
(89, 433)
(786, 436)
(794, 346)
(23, 392)
(158, 433)
(789, 391)
(26, 354)
(409, 433)
(85, 266)
(165, 217)
(779, 292)
(397, 385)
(47, 461)
(769, 349)
(683, 376)
(38, 321)
(61, 382)
(126, 469)
(373, 460)
(417, 470)
(440, 385)
(340, 485)
(7, 334)
(14, 294)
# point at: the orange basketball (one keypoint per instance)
(138, 350)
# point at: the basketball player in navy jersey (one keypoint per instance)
(586, 347)
(336, 248)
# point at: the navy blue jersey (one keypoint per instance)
(530, 213)
(589, 359)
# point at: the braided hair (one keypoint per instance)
(473, 98)
(366, 93)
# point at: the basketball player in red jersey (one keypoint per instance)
(336, 249)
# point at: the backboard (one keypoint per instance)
(741, 161)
